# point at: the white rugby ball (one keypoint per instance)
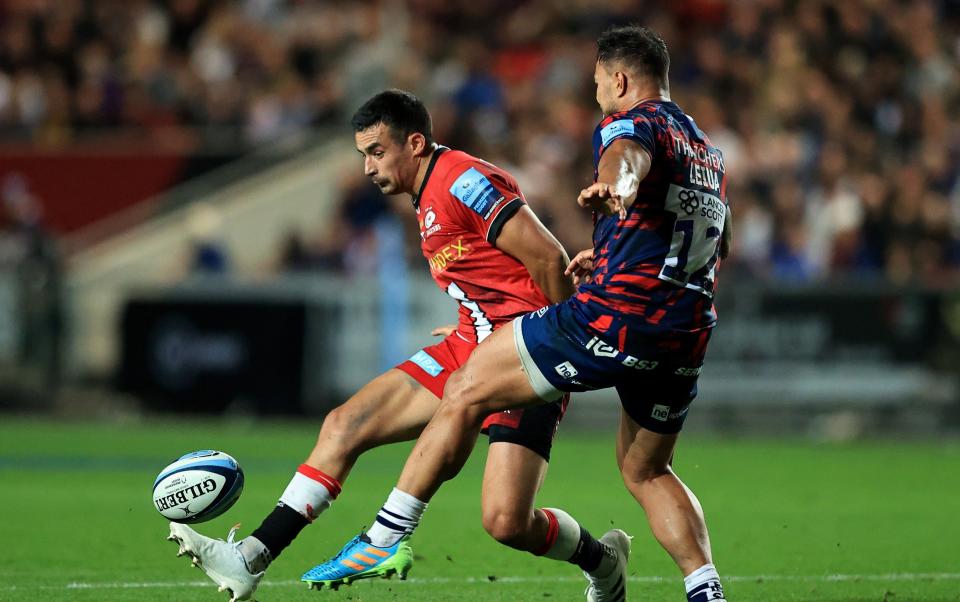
(198, 486)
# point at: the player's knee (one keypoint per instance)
(639, 475)
(461, 395)
(457, 390)
(507, 526)
(340, 430)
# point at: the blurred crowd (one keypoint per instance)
(838, 120)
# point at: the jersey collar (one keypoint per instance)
(426, 176)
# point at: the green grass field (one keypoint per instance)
(790, 520)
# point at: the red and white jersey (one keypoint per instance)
(462, 205)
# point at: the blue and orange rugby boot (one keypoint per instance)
(359, 559)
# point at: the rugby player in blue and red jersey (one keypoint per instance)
(640, 321)
(490, 253)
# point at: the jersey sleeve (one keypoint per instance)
(638, 128)
(485, 198)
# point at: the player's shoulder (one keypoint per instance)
(636, 123)
(454, 162)
(466, 184)
(456, 166)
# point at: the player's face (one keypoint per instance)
(390, 165)
(606, 88)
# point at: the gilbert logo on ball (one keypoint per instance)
(198, 486)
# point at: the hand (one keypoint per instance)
(581, 267)
(444, 331)
(603, 198)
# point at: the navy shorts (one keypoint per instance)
(654, 373)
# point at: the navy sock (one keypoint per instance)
(589, 552)
(280, 528)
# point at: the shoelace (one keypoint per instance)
(233, 533)
(263, 559)
(344, 549)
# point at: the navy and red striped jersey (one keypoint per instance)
(657, 267)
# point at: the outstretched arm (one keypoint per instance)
(622, 167)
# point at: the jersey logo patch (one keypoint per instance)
(429, 365)
(428, 225)
(476, 192)
(616, 129)
(566, 370)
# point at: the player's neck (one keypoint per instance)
(632, 101)
(422, 169)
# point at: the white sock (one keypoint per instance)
(703, 585)
(310, 492)
(567, 538)
(398, 517)
(568, 541)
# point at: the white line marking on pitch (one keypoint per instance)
(465, 580)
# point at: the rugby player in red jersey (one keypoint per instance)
(491, 254)
(640, 322)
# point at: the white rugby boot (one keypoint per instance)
(220, 560)
(612, 587)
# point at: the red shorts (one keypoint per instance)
(533, 428)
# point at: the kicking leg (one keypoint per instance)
(392, 407)
(383, 549)
(673, 511)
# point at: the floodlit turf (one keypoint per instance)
(790, 520)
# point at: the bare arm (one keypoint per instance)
(622, 167)
(726, 241)
(529, 241)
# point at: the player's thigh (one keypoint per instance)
(392, 407)
(511, 479)
(642, 453)
(654, 407)
(492, 379)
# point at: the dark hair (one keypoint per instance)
(400, 111)
(637, 48)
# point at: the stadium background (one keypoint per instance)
(190, 257)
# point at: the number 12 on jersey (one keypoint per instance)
(695, 246)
